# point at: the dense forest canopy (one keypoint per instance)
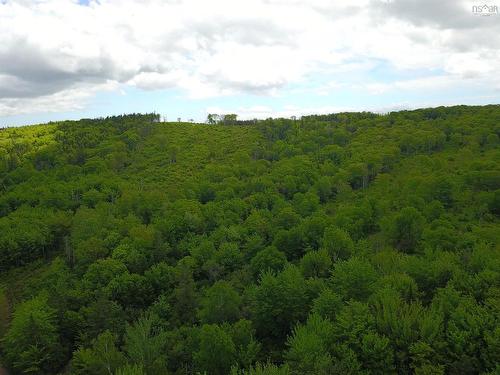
(350, 243)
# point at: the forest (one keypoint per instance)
(349, 243)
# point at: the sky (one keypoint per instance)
(70, 59)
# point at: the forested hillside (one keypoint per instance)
(350, 243)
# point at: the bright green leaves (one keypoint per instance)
(31, 344)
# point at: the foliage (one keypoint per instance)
(348, 243)
(31, 345)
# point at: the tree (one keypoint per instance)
(262, 369)
(327, 305)
(160, 277)
(440, 188)
(102, 358)
(494, 204)
(228, 119)
(291, 242)
(405, 229)
(31, 344)
(376, 354)
(144, 345)
(280, 301)
(308, 347)
(100, 273)
(184, 297)
(130, 370)
(287, 218)
(354, 278)
(100, 316)
(173, 153)
(358, 175)
(247, 347)
(316, 264)
(423, 359)
(306, 204)
(337, 243)
(267, 259)
(130, 289)
(220, 304)
(217, 352)
(135, 260)
(405, 323)
(212, 118)
(325, 189)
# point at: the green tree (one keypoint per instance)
(327, 304)
(267, 259)
(229, 119)
(130, 370)
(337, 243)
(99, 316)
(145, 343)
(31, 344)
(308, 347)
(316, 264)
(291, 242)
(287, 218)
(262, 369)
(102, 358)
(184, 297)
(130, 289)
(494, 204)
(217, 352)
(220, 304)
(212, 118)
(354, 278)
(279, 302)
(247, 347)
(376, 354)
(405, 229)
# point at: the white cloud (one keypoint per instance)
(427, 83)
(60, 49)
(70, 99)
(473, 64)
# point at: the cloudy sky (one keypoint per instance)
(64, 59)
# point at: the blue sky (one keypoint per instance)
(74, 59)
